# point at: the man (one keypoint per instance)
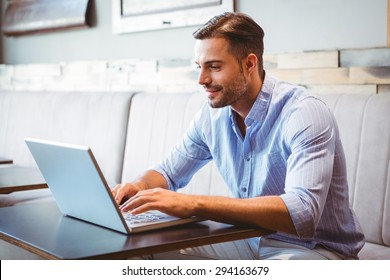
(277, 148)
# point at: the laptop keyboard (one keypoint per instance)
(146, 217)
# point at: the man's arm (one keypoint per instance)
(267, 212)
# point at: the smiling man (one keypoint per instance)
(276, 146)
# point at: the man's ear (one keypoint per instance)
(250, 63)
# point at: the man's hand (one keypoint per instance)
(169, 202)
(123, 192)
(147, 181)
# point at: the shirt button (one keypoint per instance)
(243, 189)
(248, 159)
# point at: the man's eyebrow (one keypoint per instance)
(210, 61)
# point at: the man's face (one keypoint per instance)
(220, 73)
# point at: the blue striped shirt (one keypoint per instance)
(291, 148)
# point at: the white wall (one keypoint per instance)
(319, 24)
(288, 24)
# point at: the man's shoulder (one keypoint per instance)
(292, 93)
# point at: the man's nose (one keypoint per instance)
(203, 78)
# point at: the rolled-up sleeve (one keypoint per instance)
(310, 134)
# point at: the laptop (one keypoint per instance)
(81, 191)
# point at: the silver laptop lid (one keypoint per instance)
(77, 183)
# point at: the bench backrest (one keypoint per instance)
(98, 120)
(364, 124)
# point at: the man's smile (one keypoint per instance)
(213, 90)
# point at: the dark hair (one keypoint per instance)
(244, 35)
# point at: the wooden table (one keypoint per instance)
(41, 229)
(5, 160)
(17, 178)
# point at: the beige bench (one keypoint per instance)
(157, 121)
(96, 119)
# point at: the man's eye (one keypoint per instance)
(215, 67)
